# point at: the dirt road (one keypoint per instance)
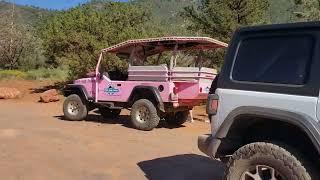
(37, 144)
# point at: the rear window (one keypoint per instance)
(279, 60)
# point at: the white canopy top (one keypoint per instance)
(153, 46)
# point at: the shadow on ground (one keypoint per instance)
(124, 120)
(182, 167)
(198, 119)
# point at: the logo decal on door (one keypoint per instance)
(112, 91)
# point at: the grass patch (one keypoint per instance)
(52, 74)
(12, 74)
(58, 74)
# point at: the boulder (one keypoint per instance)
(9, 93)
(51, 95)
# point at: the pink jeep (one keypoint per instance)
(151, 92)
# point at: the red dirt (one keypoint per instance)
(30, 89)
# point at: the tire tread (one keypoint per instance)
(289, 161)
(154, 117)
(79, 117)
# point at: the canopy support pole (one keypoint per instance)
(97, 77)
(131, 58)
(173, 60)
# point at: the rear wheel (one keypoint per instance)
(144, 115)
(177, 118)
(107, 113)
(260, 160)
(74, 109)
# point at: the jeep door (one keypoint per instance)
(109, 90)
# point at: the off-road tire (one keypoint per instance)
(82, 108)
(177, 118)
(267, 154)
(153, 119)
(109, 113)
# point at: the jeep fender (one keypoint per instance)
(78, 89)
(302, 121)
(148, 89)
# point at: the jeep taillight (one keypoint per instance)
(212, 104)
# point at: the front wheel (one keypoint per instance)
(265, 161)
(74, 109)
(144, 115)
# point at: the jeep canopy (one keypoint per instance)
(152, 46)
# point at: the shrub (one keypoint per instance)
(58, 74)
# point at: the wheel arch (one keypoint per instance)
(80, 90)
(141, 92)
(266, 123)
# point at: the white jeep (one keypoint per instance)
(264, 108)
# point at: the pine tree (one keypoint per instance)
(219, 18)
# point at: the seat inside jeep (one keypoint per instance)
(148, 73)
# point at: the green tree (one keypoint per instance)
(76, 36)
(220, 18)
(19, 46)
(281, 11)
(307, 10)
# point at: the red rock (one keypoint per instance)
(9, 93)
(49, 96)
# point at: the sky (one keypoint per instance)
(51, 4)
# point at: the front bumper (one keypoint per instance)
(208, 145)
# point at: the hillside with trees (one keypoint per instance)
(32, 38)
(20, 46)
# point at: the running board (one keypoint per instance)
(109, 105)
